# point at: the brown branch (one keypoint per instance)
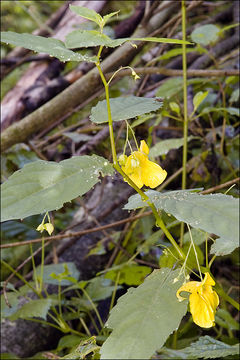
(221, 186)
(76, 234)
(79, 91)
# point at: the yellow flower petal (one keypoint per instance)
(152, 174)
(40, 227)
(143, 171)
(132, 168)
(49, 228)
(208, 280)
(202, 313)
(143, 147)
(203, 300)
(190, 286)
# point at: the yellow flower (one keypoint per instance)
(143, 171)
(203, 300)
(48, 227)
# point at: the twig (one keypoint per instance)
(221, 186)
(76, 234)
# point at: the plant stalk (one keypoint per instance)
(185, 110)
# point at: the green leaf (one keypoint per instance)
(76, 137)
(85, 348)
(160, 40)
(198, 99)
(13, 301)
(230, 110)
(87, 13)
(235, 96)
(88, 38)
(207, 347)
(108, 16)
(99, 288)
(57, 269)
(178, 51)
(143, 318)
(45, 186)
(68, 341)
(40, 44)
(205, 35)
(214, 213)
(123, 108)
(174, 85)
(163, 147)
(174, 107)
(225, 319)
(198, 237)
(34, 308)
(170, 256)
(129, 274)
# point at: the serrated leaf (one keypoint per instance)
(123, 108)
(143, 318)
(40, 44)
(163, 147)
(205, 35)
(57, 269)
(45, 186)
(198, 98)
(89, 38)
(34, 308)
(207, 347)
(87, 13)
(108, 16)
(214, 213)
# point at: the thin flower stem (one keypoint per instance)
(195, 252)
(34, 268)
(117, 167)
(21, 278)
(185, 111)
(93, 306)
(114, 291)
(226, 297)
(110, 122)
(42, 265)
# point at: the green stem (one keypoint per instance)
(34, 268)
(226, 297)
(110, 122)
(93, 306)
(21, 278)
(159, 221)
(42, 264)
(185, 123)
